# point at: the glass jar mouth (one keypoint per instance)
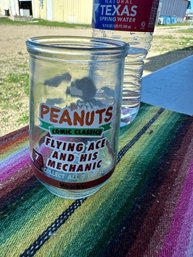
(70, 45)
(75, 42)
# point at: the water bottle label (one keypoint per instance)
(125, 15)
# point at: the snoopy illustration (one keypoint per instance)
(84, 89)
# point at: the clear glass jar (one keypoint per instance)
(74, 112)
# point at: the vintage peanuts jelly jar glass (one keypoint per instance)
(75, 112)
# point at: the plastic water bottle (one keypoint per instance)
(132, 21)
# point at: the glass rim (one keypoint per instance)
(60, 43)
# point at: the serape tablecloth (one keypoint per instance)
(145, 210)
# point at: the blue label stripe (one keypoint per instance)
(100, 20)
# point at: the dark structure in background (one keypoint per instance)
(25, 7)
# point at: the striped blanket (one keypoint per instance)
(145, 210)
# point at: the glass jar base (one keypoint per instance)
(73, 194)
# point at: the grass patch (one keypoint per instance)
(38, 22)
(186, 42)
(187, 31)
(12, 78)
(23, 119)
(57, 24)
(168, 37)
(21, 79)
(15, 86)
(22, 66)
(25, 82)
(181, 24)
(173, 43)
